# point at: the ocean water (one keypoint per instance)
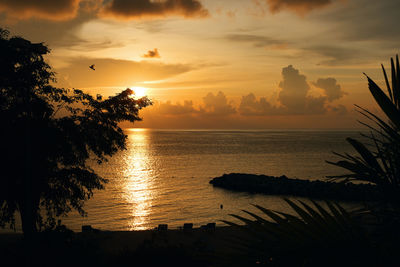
(163, 175)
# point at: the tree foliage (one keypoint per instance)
(49, 135)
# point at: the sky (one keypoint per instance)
(219, 64)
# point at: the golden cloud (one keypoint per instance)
(152, 54)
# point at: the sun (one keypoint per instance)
(139, 91)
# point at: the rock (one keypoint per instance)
(283, 185)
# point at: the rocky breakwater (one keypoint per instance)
(283, 185)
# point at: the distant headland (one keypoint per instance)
(283, 185)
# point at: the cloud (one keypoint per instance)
(375, 21)
(256, 40)
(294, 90)
(300, 7)
(362, 32)
(315, 105)
(116, 72)
(217, 105)
(152, 54)
(332, 90)
(61, 10)
(294, 97)
(212, 105)
(128, 9)
(250, 106)
(56, 33)
(45, 9)
(79, 44)
(337, 55)
(167, 108)
(339, 109)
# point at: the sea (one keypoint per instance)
(163, 175)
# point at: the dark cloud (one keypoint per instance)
(256, 40)
(46, 9)
(128, 9)
(217, 105)
(152, 54)
(315, 105)
(332, 90)
(365, 20)
(250, 106)
(294, 97)
(63, 34)
(300, 7)
(213, 105)
(365, 32)
(294, 90)
(167, 108)
(58, 10)
(53, 33)
(115, 72)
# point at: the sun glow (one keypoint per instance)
(139, 91)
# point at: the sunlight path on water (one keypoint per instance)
(138, 180)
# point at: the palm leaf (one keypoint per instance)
(381, 164)
(368, 157)
(387, 83)
(255, 216)
(385, 103)
(397, 87)
(394, 83)
(271, 214)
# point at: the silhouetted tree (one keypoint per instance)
(48, 136)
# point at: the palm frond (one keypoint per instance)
(378, 163)
(313, 231)
(384, 102)
(387, 83)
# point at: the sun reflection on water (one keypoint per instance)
(138, 179)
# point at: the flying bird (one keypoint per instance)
(92, 67)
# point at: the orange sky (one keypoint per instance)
(219, 64)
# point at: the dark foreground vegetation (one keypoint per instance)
(225, 246)
(194, 247)
(282, 185)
